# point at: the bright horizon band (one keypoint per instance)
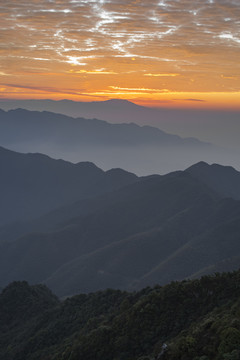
(168, 53)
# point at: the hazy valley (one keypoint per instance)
(142, 150)
(219, 127)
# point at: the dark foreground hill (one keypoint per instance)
(197, 319)
(155, 230)
(33, 184)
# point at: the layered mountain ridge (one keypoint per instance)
(140, 149)
(130, 233)
(33, 184)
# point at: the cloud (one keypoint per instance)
(119, 27)
(162, 75)
(194, 100)
(179, 44)
(94, 72)
(139, 89)
(231, 77)
(45, 89)
(37, 88)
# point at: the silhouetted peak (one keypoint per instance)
(23, 289)
(226, 168)
(119, 173)
(88, 166)
(223, 179)
(4, 150)
(202, 165)
(118, 101)
(198, 165)
(6, 153)
(21, 299)
(18, 110)
(122, 102)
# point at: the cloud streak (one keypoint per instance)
(190, 46)
(162, 75)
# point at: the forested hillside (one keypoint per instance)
(197, 319)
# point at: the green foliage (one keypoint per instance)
(230, 341)
(189, 320)
(234, 355)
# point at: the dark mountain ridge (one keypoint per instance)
(224, 179)
(170, 225)
(33, 184)
(174, 226)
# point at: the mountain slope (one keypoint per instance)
(173, 226)
(188, 320)
(129, 238)
(173, 251)
(114, 216)
(33, 184)
(223, 179)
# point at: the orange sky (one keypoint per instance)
(173, 53)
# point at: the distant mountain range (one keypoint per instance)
(22, 126)
(139, 149)
(123, 232)
(220, 127)
(114, 111)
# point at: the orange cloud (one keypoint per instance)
(162, 75)
(93, 72)
(143, 47)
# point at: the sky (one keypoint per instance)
(164, 53)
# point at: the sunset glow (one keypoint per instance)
(168, 53)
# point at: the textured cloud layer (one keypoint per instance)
(108, 47)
